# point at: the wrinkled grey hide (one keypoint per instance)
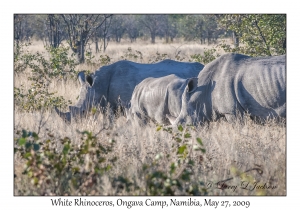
(234, 84)
(158, 99)
(119, 80)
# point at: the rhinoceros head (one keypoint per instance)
(87, 99)
(196, 103)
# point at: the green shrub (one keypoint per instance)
(37, 98)
(131, 55)
(179, 176)
(71, 169)
(104, 60)
(208, 56)
(22, 57)
(60, 167)
(158, 57)
(258, 34)
(59, 65)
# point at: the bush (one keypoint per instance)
(22, 57)
(158, 57)
(60, 167)
(259, 34)
(208, 56)
(68, 170)
(179, 177)
(59, 66)
(37, 98)
(133, 56)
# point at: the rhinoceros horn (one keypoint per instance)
(65, 116)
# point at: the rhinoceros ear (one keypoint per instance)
(192, 84)
(81, 77)
(89, 79)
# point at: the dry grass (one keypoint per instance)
(229, 147)
(115, 50)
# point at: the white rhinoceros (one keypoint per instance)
(118, 80)
(155, 98)
(233, 84)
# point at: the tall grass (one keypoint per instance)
(231, 148)
(116, 50)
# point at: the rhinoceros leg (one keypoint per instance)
(65, 116)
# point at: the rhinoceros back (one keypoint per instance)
(120, 78)
(243, 83)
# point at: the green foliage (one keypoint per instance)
(157, 57)
(179, 175)
(178, 57)
(60, 167)
(137, 56)
(75, 168)
(22, 57)
(104, 60)
(91, 60)
(203, 28)
(58, 65)
(259, 35)
(132, 55)
(37, 98)
(208, 56)
(256, 35)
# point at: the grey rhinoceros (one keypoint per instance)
(155, 98)
(116, 82)
(234, 84)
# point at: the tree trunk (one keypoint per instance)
(236, 40)
(79, 51)
(118, 38)
(153, 37)
(104, 44)
(54, 34)
(82, 53)
(208, 38)
(82, 44)
(167, 37)
(96, 44)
